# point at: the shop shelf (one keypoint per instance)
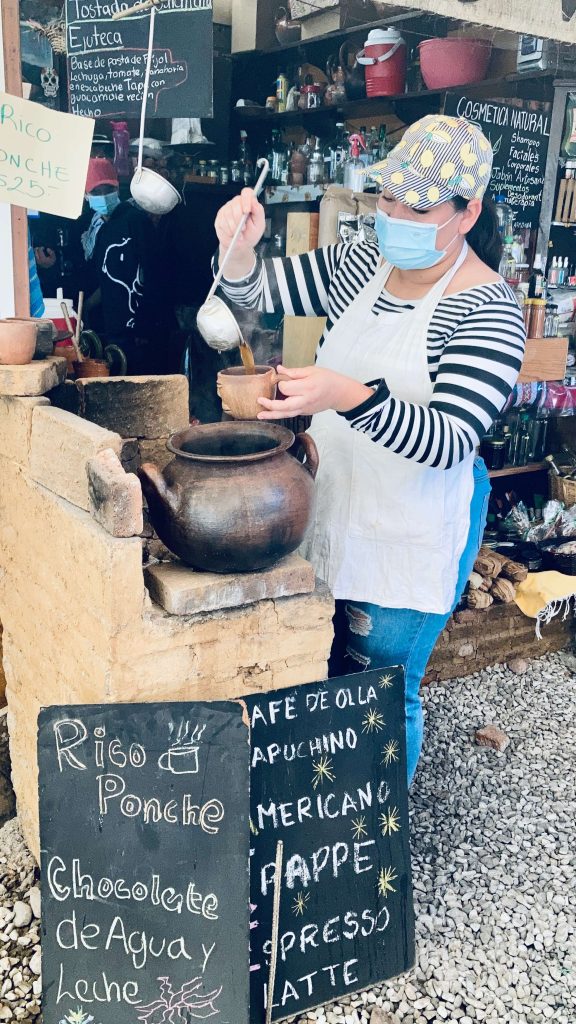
(532, 467)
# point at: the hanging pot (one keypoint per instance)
(287, 30)
(354, 80)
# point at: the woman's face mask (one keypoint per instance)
(409, 245)
(104, 205)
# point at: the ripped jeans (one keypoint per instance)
(369, 636)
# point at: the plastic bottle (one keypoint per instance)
(282, 91)
(121, 139)
(354, 176)
(553, 273)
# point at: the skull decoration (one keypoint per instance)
(49, 81)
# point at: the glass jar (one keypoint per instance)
(224, 175)
(214, 170)
(493, 451)
(552, 321)
(236, 174)
(202, 169)
(537, 318)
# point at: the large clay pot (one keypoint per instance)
(233, 499)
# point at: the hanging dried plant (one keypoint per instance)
(54, 31)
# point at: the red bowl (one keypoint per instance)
(449, 62)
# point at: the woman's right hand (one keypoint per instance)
(229, 217)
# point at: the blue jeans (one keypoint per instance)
(368, 636)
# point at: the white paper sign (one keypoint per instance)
(43, 157)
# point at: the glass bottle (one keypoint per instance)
(277, 158)
(121, 139)
(507, 267)
(245, 159)
(316, 166)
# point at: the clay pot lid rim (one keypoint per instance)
(285, 439)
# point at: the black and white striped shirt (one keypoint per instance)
(475, 348)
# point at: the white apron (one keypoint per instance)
(387, 529)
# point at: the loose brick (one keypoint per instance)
(492, 736)
(183, 591)
(143, 407)
(116, 496)
(61, 445)
(34, 378)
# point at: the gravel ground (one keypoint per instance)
(494, 862)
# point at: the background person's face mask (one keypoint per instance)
(409, 245)
(104, 205)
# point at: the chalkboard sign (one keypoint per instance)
(107, 59)
(144, 858)
(328, 779)
(519, 138)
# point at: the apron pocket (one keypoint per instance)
(394, 500)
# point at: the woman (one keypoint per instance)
(423, 344)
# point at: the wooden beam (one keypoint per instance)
(10, 15)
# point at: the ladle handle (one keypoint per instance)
(263, 163)
(146, 87)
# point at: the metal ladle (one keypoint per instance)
(216, 322)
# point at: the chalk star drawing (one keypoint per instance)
(390, 752)
(166, 1009)
(323, 769)
(390, 821)
(77, 1017)
(359, 827)
(373, 721)
(385, 682)
(386, 876)
(300, 903)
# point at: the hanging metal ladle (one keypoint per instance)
(216, 322)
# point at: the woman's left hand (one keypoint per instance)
(312, 389)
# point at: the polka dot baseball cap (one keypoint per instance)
(439, 157)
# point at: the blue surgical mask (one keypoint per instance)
(409, 245)
(104, 205)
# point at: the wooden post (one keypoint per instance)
(15, 296)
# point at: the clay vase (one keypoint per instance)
(17, 342)
(233, 499)
(354, 79)
(239, 391)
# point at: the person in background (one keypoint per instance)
(37, 307)
(102, 196)
(423, 345)
(136, 259)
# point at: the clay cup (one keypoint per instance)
(239, 391)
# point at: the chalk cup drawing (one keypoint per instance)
(181, 758)
(176, 1007)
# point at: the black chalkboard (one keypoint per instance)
(328, 778)
(520, 139)
(145, 843)
(107, 59)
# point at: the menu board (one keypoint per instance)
(107, 59)
(519, 138)
(144, 861)
(328, 779)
